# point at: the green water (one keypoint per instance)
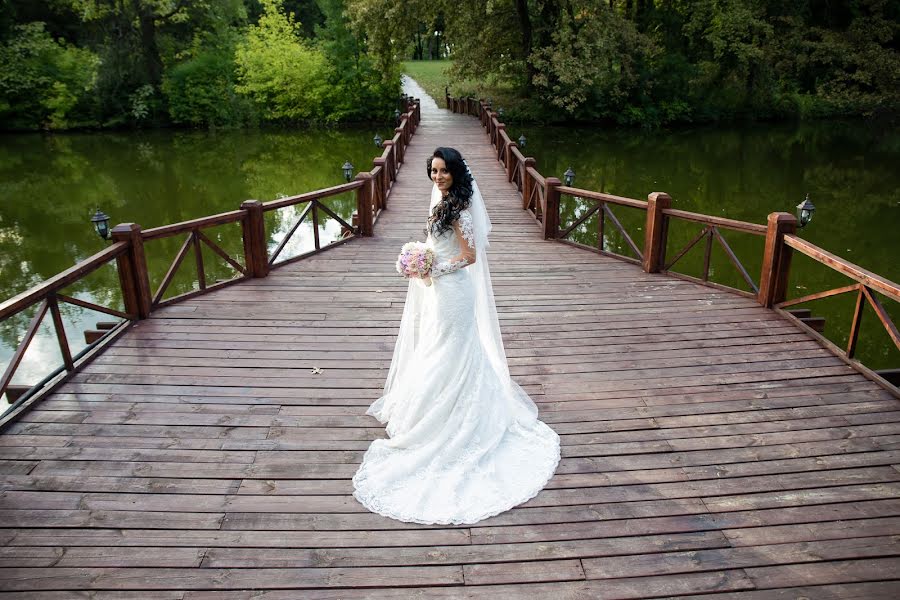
(850, 171)
(50, 186)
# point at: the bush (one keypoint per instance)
(44, 83)
(201, 91)
(284, 76)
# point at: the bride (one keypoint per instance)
(464, 439)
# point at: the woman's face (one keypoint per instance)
(440, 175)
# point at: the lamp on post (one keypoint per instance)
(348, 170)
(500, 113)
(522, 140)
(101, 224)
(569, 177)
(378, 140)
(805, 212)
(397, 115)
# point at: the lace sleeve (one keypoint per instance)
(465, 235)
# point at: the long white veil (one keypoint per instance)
(402, 374)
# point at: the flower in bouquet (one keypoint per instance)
(415, 260)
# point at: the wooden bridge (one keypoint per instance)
(711, 446)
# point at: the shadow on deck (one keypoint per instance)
(709, 445)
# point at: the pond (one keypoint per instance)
(849, 169)
(51, 185)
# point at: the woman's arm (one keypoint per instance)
(466, 238)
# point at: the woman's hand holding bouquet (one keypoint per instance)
(415, 261)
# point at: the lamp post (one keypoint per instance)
(378, 140)
(500, 113)
(522, 140)
(569, 177)
(101, 224)
(397, 115)
(348, 170)
(805, 212)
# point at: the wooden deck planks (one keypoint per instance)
(709, 446)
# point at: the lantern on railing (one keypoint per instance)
(500, 113)
(569, 177)
(378, 140)
(397, 114)
(101, 224)
(805, 212)
(490, 102)
(522, 140)
(348, 170)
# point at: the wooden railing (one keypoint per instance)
(866, 286)
(601, 207)
(47, 296)
(541, 198)
(711, 233)
(372, 189)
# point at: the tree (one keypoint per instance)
(44, 82)
(285, 76)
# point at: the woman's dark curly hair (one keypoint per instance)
(459, 196)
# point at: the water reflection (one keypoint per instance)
(745, 173)
(50, 186)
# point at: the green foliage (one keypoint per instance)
(44, 83)
(201, 91)
(653, 62)
(359, 89)
(639, 62)
(217, 63)
(488, 42)
(593, 66)
(285, 76)
(201, 88)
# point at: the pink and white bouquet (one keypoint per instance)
(415, 260)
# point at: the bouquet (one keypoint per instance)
(415, 260)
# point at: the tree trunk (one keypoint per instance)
(640, 15)
(152, 62)
(525, 25)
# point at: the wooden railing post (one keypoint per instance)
(551, 210)
(256, 255)
(655, 231)
(776, 259)
(380, 181)
(527, 181)
(510, 162)
(364, 204)
(132, 267)
(399, 149)
(391, 162)
(498, 141)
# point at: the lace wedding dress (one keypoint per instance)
(465, 442)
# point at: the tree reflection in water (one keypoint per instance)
(50, 185)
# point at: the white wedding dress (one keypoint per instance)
(465, 442)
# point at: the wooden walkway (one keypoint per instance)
(709, 446)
